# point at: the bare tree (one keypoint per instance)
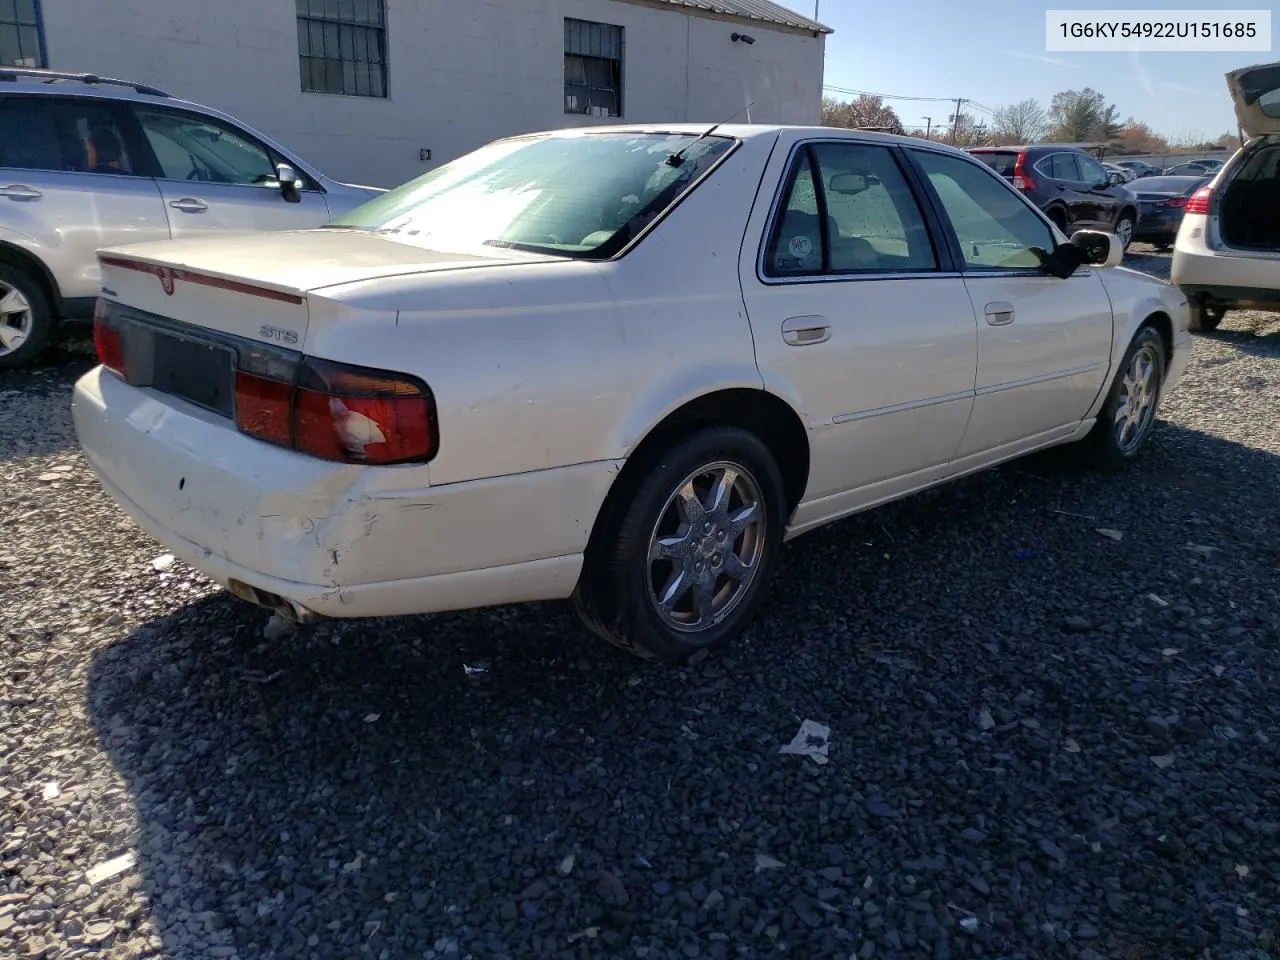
(1022, 122)
(866, 111)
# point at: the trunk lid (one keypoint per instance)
(256, 284)
(1255, 91)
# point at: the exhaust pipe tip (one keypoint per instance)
(290, 611)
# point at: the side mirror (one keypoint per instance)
(288, 178)
(1115, 179)
(1098, 249)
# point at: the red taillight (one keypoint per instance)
(263, 408)
(1176, 202)
(1021, 179)
(338, 412)
(108, 343)
(1199, 202)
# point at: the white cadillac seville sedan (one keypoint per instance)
(621, 364)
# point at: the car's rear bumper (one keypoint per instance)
(1240, 277)
(335, 539)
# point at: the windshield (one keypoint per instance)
(584, 195)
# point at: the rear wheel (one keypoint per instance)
(1124, 228)
(681, 561)
(1206, 317)
(26, 322)
(1130, 409)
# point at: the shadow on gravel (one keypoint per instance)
(1252, 342)
(1044, 742)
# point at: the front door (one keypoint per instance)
(857, 319)
(214, 176)
(1043, 343)
(1104, 198)
(70, 183)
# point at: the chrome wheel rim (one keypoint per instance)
(1124, 230)
(1136, 405)
(706, 548)
(15, 318)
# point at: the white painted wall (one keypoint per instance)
(460, 73)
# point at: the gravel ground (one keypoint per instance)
(1045, 741)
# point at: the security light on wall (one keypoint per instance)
(743, 37)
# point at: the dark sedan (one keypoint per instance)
(1163, 201)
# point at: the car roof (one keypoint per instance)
(749, 131)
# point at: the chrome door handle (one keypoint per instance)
(802, 331)
(189, 205)
(999, 313)
(20, 191)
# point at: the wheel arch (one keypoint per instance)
(24, 259)
(756, 410)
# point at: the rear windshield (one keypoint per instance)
(1001, 163)
(583, 195)
(1170, 184)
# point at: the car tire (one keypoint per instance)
(1205, 318)
(1124, 228)
(646, 541)
(1129, 412)
(1163, 247)
(26, 320)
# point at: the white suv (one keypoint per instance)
(1227, 254)
(89, 162)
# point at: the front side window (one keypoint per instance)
(592, 68)
(993, 224)
(69, 135)
(20, 44)
(1091, 171)
(192, 147)
(342, 47)
(583, 195)
(848, 210)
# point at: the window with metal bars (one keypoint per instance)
(592, 68)
(21, 44)
(342, 47)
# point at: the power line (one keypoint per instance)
(886, 96)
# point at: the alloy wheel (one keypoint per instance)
(15, 318)
(1136, 403)
(707, 547)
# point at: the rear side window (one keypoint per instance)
(1059, 166)
(847, 209)
(65, 135)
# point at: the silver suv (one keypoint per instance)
(89, 162)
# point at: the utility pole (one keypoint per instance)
(928, 127)
(955, 120)
(815, 9)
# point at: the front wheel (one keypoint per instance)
(1130, 409)
(682, 560)
(26, 322)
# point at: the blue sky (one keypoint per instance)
(993, 51)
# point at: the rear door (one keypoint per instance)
(216, 176)
(860, 317)
(71, 181)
